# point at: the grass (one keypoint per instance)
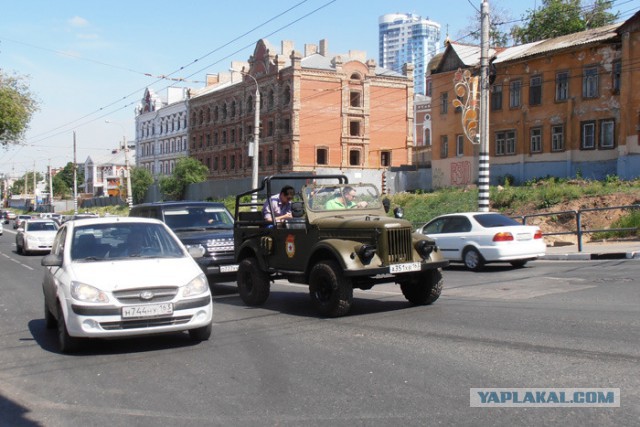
(632, 220)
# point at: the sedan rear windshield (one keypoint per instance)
(495, 220)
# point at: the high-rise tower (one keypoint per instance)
(408, 38)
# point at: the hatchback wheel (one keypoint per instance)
(67, 343)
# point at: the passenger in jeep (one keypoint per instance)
(279, 205)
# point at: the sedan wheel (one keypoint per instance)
(472, 259)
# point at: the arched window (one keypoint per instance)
(250, 104)
(233, 109)
(271, 99)
(286, 96)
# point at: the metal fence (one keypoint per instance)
(577, 214)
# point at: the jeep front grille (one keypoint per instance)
(399, 244)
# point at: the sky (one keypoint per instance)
(88, 62)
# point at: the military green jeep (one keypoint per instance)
(339, 238)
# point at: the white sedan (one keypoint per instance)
(120, 276)
(35, 235)
(477, 238)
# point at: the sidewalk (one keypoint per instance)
(624, 249)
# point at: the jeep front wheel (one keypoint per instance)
(253, 283)
(331, 292)
(423, 288)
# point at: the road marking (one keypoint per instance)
(16, 261)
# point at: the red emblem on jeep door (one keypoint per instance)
(290, 245)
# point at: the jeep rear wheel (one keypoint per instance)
(253, 283)
(423, 288)
(331, 292)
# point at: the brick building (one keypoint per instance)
(319, 112)
(562, 107)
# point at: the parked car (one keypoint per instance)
(17, 223)
(35, 235)
(207, 226)
(478, 238)
(1, 228)
(120, 277)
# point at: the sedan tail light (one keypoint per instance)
(504, 236)
(538, 235)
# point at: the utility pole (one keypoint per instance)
(50, 188)
(128, 171)
(75, 177)
(483, 159)
(35, 195)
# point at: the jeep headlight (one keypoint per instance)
(87, 293)
(424, 248)
(197, 286)
(366, 253)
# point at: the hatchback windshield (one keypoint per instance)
(123, 240)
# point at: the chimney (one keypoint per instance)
(310, 49)
(286, 47)
(324, 47)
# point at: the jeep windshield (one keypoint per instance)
(341, 197)
(194, 218)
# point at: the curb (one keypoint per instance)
(589, 256)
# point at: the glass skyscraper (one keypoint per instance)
(408, 38)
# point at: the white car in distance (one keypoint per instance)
(35, 235)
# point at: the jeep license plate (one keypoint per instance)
(149, 310)
(228, 268)
(404, 268)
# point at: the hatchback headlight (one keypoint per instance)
(197, 286)
(87, 293)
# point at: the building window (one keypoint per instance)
(286, 156)
(232, 162)
(271, 99)
(321, 156)
(505, 143)
(215, 163)
(515, 89)
(355, 99)
(444, 103)
(270, 157)
(536, 140)
(459, 145)
(354, 128)
(562, 86)
(535, 90)
(588, 135)
(607, 133)
(385, 158)
(557, 138)
(354, 157)
(444, 146)
(270, 128)
(496, 97)
(224, 163)
(233, 109)
(617, 71)
(250, 104)
(286, 126)
(590, 82)
(286, 98)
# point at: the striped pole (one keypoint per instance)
(483, 159)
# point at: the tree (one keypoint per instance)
(66, 174)
(499, 17)
(17, 106)
(141, 180)
(60, 187)
(187, 171)
(555, 18)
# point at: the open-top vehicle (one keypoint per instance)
(331, 247)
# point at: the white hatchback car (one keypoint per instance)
(35, 235)
(121, 276)
(477, 238)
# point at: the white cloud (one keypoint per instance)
(78, 21)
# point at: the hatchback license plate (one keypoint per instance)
(404, 268)
(228, 268)
(150, 310)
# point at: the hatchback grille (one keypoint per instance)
(145, 323)
(399, 244)
(133, 296)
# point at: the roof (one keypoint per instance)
(541, 47)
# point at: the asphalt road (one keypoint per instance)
(552, 324)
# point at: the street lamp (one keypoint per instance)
(126, 163)
(256, 134)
